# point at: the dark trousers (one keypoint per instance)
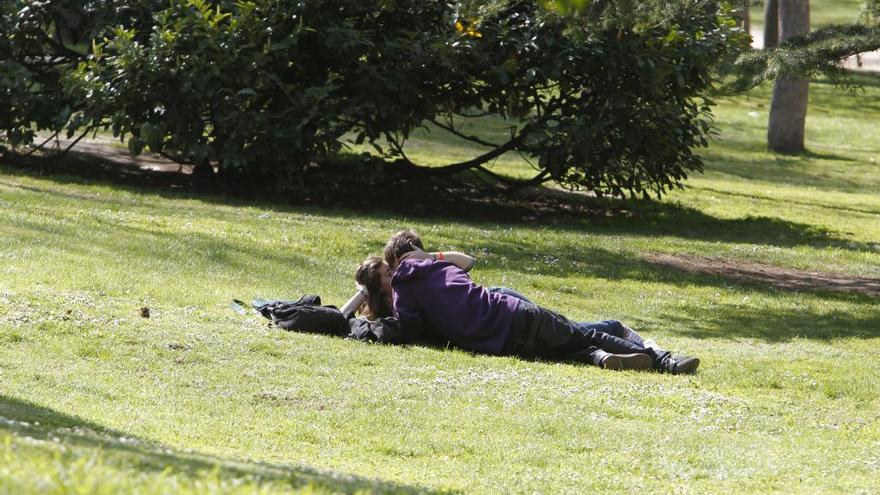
(537, 332)
(612, 327)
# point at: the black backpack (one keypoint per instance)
(307, 315)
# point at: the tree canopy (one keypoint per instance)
(608, 96)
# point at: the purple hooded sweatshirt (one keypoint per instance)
(440, 298)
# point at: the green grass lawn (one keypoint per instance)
(822, 12)
(197, 399)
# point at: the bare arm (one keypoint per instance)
(460, 260)
(355, 302)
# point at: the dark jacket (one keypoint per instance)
(438, 298)
(307, 315)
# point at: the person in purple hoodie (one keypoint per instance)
(432, 297)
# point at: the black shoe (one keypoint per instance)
(635, 361)
(683, 365)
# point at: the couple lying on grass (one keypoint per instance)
(432, 296)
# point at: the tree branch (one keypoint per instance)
(398, 148)
(40, 146)
(540, 178)
(460, 166)
(452, 130)
(33, 63)
(176, 159)
(817, 52)
(60, 46)
(472, 116)
(275, 80)
(413, 169)
(75, 141)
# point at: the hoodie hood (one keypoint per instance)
(412, 269)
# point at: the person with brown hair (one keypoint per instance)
(432, 296)
(373, 278)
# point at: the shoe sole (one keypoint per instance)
(636, 361)
(687, 367)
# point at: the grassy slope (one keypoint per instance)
(94, 398)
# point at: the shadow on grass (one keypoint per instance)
(602, 263)
(862, 78)
(786, 201)
(773, 325)
(153, 248)
(664, 219)
(578, 214)
(711, 320)
(826, 97)
(433, 202)
(728, 144)
(25, 419)
(785, 170)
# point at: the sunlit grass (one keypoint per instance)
(197, 399)
(822, 12)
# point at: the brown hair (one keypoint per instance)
(368, 275)
(400, 244)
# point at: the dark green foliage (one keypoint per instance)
(31, 65)
(42, 43)
(604, 95)
(872, 9)
(611, 93)
(265, 86)
(819, 53)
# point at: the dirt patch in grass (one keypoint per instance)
(783, 278)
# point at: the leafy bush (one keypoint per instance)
(42, 44)
(607, 96)
(31, 67)
(259, 86)
(612, 96)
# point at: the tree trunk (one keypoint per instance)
(788, 108)
(742, 13)
(771, 23)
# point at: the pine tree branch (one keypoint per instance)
(818, 53)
